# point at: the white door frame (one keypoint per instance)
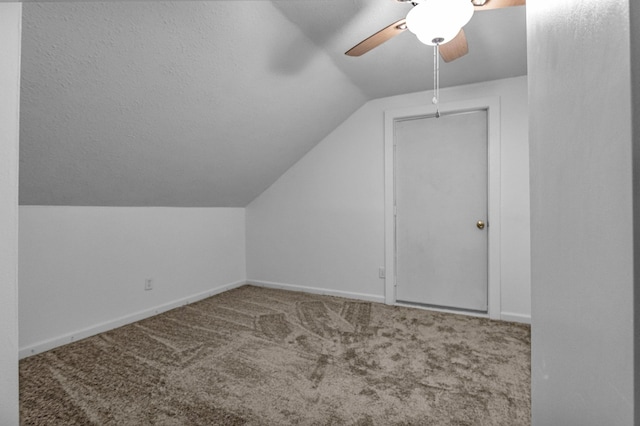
(492, 106)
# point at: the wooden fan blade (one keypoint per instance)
(455, 48)
(378, 38)
(498, 4)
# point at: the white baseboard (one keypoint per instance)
(504, 316)
(317, 290)
(443, 310)
(508, 316)
(54, 342)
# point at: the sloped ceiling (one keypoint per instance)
(208, 103)
(497, 45)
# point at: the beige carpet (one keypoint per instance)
(258, 356)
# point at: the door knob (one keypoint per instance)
(480, 224)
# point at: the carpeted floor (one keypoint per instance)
(259, 356)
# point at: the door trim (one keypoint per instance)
(492, 106)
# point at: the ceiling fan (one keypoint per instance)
(428, 14)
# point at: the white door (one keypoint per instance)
(441, 167)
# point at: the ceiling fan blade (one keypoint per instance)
(498, 4)
(455, 48)
(378, 38)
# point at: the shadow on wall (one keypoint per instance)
(292, 57)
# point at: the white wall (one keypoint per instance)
(635, 90)
(321, 225)
(581, 212)
(83, 269)
(10, 33)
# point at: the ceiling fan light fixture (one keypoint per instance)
(440, 36)
(433, 20)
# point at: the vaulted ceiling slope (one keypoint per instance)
(497, 45)
(168, 104)
(208, 103)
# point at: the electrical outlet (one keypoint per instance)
(148, 284)
(381, 273)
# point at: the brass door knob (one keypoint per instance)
(480, 224)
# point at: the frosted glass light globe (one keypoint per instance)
(435, 19)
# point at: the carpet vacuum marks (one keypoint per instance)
(256, 356)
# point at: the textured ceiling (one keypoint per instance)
(208, 103)
(497, 45)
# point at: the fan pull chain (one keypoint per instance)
(436, 75)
